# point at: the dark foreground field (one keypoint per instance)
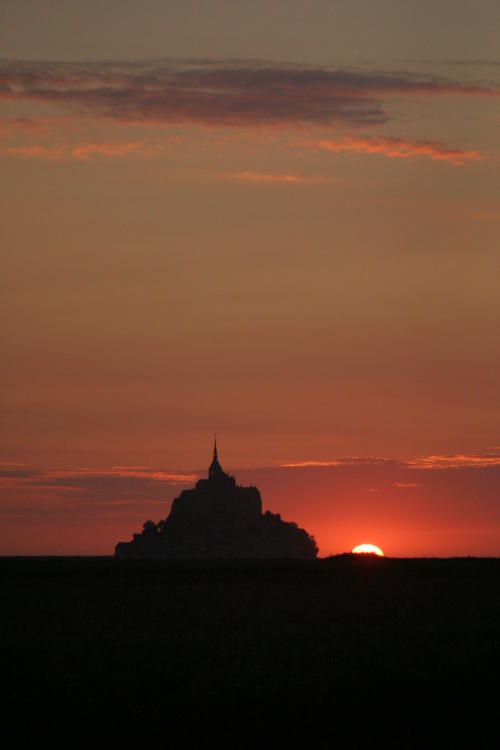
(323, 654)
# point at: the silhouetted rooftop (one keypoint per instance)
(219, 519)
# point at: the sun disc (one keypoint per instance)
(368, 549)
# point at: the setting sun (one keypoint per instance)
(368, 549)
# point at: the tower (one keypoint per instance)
(215, 471)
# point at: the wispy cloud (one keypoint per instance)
(81, 152)
(310, 463)
(334, 462)
(86, 479)
(13, 125)
(141, 472)
(223, 93)
(271, 178)
(457, 461)
(398, 148)
(87, 150)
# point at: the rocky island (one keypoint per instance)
(219, 519)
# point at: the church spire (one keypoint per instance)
(215, 469)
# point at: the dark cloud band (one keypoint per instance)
(231, 94)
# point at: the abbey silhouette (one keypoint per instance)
(219, 519)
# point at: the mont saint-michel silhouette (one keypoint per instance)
(219, 519)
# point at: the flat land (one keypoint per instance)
(329, 653)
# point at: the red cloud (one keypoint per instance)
(13, 125)
(399, 148)
(312, 463)
(82, 152)
(270, 177)
(455, 462)
(87, 150)
(137, 472)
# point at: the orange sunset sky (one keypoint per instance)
(277, 220)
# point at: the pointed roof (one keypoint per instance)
(215, 469)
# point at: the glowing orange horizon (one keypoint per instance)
(368, 549)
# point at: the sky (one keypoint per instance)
(277, 221)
